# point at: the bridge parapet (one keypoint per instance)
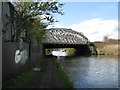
(64, 36)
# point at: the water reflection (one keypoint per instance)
(93, 72)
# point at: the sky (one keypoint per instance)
(94, 19)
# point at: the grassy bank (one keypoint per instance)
(61, 76)
(51, 75)
(107, 48)
(19, 81)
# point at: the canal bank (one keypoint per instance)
(107, 48)
(51, 75)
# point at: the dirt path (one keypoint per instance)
(46, 77)
(46, 80)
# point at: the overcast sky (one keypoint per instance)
(94, 19)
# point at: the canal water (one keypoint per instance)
(92, 71)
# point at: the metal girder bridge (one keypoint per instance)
(65, 36)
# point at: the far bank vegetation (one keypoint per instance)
(108, 46)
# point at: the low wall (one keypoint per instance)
(9, 66)
(36, 52)
(15, 61)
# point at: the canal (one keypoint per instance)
(92, 71)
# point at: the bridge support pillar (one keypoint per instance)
(83, 50)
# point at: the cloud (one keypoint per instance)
(43, 16)
(57, 26)
(95, 29)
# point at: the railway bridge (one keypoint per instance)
(66, 38)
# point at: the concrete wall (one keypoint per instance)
(36, 52)
(1, 26)
(9, 67)
(6, 22)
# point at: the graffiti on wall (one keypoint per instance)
(21, 56)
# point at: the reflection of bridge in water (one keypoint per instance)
(66, 38)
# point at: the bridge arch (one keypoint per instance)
(66, 38)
